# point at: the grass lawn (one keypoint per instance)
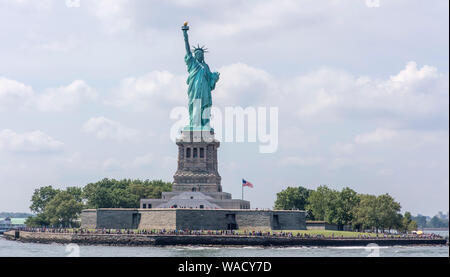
(325, 233)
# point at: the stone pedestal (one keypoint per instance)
(197, 183)
(197, 163)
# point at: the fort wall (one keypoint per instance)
(193, 219)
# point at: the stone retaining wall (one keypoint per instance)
(165, 240)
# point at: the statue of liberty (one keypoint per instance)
(201, 82)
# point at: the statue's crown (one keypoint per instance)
(198, 48)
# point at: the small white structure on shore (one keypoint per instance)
(8, 223)
(5, 225)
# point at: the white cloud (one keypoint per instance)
(339, 162)
(296, 138)
(324, 93)
(151, 90)
(107, 129)
(343, 148)
(329, 93)
(65, 45)
(66, 97)
(378, 136)
(385, 172)
(169, 162)
(144, 160)
(42, 5)
(412, 74)
(14, 94)
(389, 147)
(239, 84)
(297, 161)
(73, 3)
(258, 16)
(115, 15)
(111, 165)
(28, 142)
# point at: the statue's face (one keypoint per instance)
(199, 55)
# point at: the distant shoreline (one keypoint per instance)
(212, 240)
(435, 229)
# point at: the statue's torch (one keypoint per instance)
(185, 26)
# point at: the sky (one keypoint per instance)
(361, 87)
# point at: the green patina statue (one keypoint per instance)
(201, 82)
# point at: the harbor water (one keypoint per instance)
(19, 249)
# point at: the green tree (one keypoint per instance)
(398, 222)
(63, 210)
(292, 198)
(412, 226)
(421, 220)
(436, 222)
(322, 204)
(41, 197)
(149, 189)
(123, 198)
(376, 213)
(40, 220)
(98, 197)
(110, 193)
(408, 224)
(344, 207)
(387, 212)
(365, 214)
(76, 193)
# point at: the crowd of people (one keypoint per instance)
(246, 233)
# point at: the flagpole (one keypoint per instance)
(242, 191)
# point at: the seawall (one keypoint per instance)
(180, 240)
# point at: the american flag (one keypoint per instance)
(246, 184)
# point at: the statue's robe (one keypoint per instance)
(201, 82)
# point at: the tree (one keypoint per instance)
(149, 189)
(76, 193)
(55, 207)
(421, 220)
(322, 203)
(39, 220)
(344, 206)
(412, 226)
(292, 199)
(387, 211)
(41, 198)
(97, 197)
(110, 193)
(123, 198)
(398, 222)
(365, 214)
(408, 224)
(437, 222)
(63, 209)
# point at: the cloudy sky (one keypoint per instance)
(362, 87)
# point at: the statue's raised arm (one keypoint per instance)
(185, 29)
